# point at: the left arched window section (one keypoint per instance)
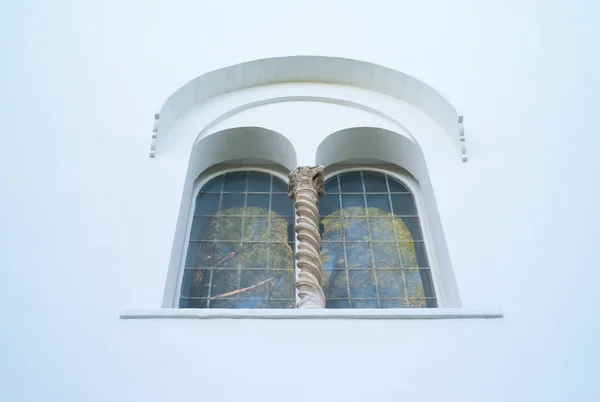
(240, 251)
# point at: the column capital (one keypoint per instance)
(306, 177)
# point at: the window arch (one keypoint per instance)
(240, 244)
(373, 249)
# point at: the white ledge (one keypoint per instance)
(367, 314)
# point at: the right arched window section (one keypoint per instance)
(373, 249)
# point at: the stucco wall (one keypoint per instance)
(88, 219)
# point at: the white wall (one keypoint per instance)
(88, 219)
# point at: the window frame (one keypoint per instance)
(412, 184)
(203, 179)
(393, 171)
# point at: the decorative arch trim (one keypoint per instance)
(315, 69)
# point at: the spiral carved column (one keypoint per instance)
(306, 184)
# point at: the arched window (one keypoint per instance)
(373, 249)
(240, 249)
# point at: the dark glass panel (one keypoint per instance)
(279, 186)
(329, 205)
(199, 254)
(375, 182)
(195, 283)
(368, 303)
(282, 205)
(382, 229)
(257, 204)
(259, 182)
(414, 227)
(356, 229)
(281, 304)
(235, 182)
(232, 204)
(335, 284)
(353, 205)
(253, 255)
(414, 284)
(203, 228)
(390, 283)
(224, 281)
(332, 229)
(332, 256)
(396, 186)
(226, 255)
(192, 303)
(362, 284)
(404, 204)
(252, 303)
(351, 182)
(428, 289)
(386, 255)
(337, 304)
(230, 228)
(256, 228)
(281, 284)
(390, 303)
(431, 303)
(378, 205)
(332, 186)
(223, 303)
(281, 256)
(254, 280)
(359, 255)
(213, 186)
(207, 204)
(282, 229)
(421, 255)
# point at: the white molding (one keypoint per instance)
(365, 314)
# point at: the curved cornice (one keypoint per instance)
(315, 69)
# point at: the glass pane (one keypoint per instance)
(329, 205)
(386, 255)
(254, 282)
(382, 229)
(404, 204)
(232, 204)
(408, 255)
(235, 182)
(253, 255)
(332, 229)
(199, 254)
(369, 303)
(281, 304)
(255, 228)
(279, 186)
(282, 229)
(427, 283)
(421, 255)
(281, 284)
(375, 182)
(414, 284)
(390, 303)
(390, 283)
(378, 205)
(224, 281)
(362, 284)
(417, 303)
(396, 186)
(359, 255)
(223, 303)
(207, 204)
(356, 229)
(414, 228)
(226, 254)
(281, 256)
(353, 205)
(230, 228)
(337, 304)
(251, 303)
(192, 303)
(282, 205)
(259, 182)
(203, 228)
(195, 283)
(257, 204)
(332, 256)
(332, 186)
(351, 182)
(335, 284)
(213, 186)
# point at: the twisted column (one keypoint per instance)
(306, 184)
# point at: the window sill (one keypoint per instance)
(367, 314)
